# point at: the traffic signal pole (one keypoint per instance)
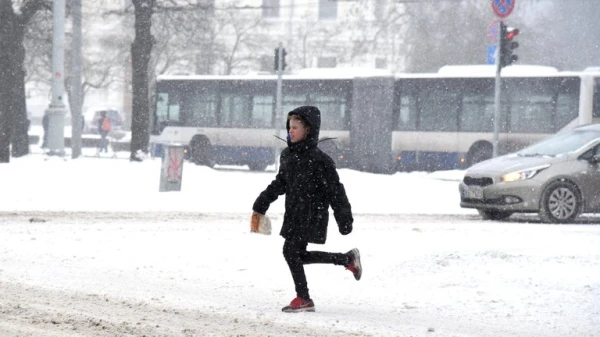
(278, 109)
(504, 57)
(497, 89)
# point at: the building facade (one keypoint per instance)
(315, 34)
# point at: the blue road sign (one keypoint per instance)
(503, 8)
(491, 54)
(493, 31)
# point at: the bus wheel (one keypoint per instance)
(255, 166)
(479, 152)
(202, 152)
(561, 202)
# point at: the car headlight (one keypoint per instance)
(523, 174)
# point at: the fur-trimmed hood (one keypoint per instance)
(312, 116)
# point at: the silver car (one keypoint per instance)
(558, 178)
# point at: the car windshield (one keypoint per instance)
(561, 143)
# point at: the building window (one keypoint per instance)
(326, 62)
(270, 8)
(327, 9)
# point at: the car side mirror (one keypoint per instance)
(590, 156)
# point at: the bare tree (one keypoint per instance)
(182, 37)
(206, 40)
(141, 50)
(14, 123)
(38, 47)
(439, 34)
(316, 40)
(375, 31)
(241, 43)
(102, 57)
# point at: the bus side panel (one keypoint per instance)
(437, 151)
(371, 127)
(242, 155)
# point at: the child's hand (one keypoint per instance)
(346, 229)
(260, 223)
(254, 222)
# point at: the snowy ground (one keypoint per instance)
(89, 247)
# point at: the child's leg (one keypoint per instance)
(340, 259)
(293, 253)
(350, 260)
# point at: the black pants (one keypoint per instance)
(296, 257)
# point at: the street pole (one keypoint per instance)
(76, 88)
(290, 27)
(278, 110)
(497, 88)
(57, 110)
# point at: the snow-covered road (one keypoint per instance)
(202, 274)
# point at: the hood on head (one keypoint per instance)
(312, 115)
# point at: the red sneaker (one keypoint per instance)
(299, 304)
(354, 266)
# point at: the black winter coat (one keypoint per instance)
(308, 178)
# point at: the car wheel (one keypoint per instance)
(489, 214)
(201, 152)
(561, 202)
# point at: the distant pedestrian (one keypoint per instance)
(45, 125)
(308, 178)
(104, 127)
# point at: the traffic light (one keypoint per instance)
(507, 45)
(283, 64)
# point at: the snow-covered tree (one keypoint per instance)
(14, 124)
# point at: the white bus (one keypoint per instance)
(379, 122)
(232, 120)
(445, 120)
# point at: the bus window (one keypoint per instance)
(202, 110)
(333, 111)
(477, 113)
(531, 113)
(262, 112)
(438, 111)
(567, 106)
(235, 111)
(291, 102)
(174, 112)
(407, 116)
(167, 109)
(596, 99)
(162, 107)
